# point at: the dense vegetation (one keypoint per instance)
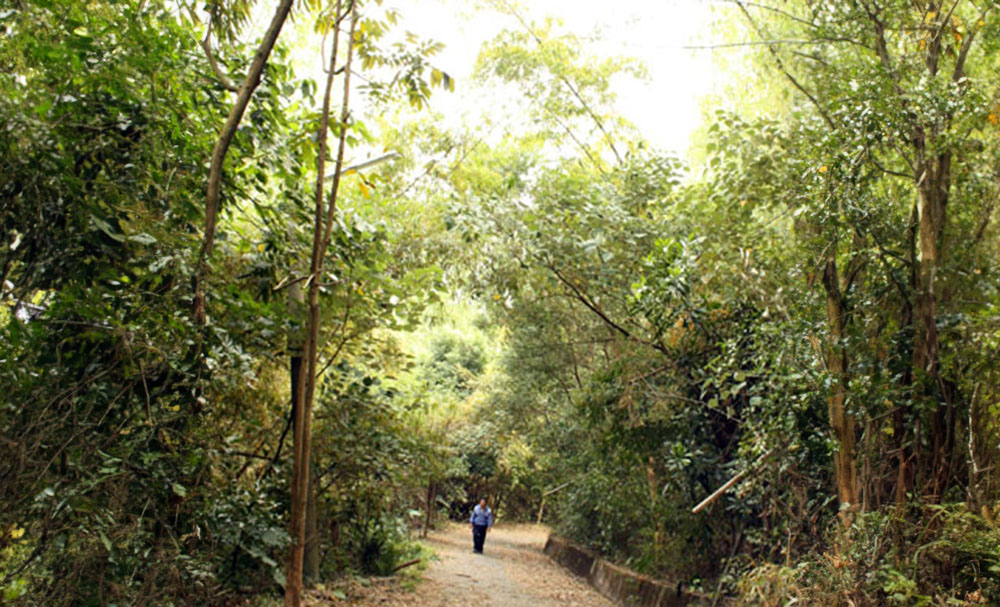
(234, 357)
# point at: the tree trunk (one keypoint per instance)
(842, 423)
(904, 481)
(310, 561)
(430, 507)
(933, 184)
(322, 227)
(658, 534)
(250, 84)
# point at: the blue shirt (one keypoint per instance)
(481, 517)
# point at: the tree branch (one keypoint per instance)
(881, 46)
(246, 91)
(206, 45)
(981, 230)
(582, 298)
(783, 41)
(963, 53)
(784, 70)
(569, 85)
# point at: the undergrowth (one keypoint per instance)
(945, 555)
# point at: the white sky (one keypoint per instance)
(665, 107)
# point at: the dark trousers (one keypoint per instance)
(478, 537)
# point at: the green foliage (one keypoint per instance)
(143, 457)
(557, 315)
(384, 545)
(948, 557)
(567, 91)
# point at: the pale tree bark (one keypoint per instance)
(930, 156)
(246, 90)
(310, 558)
(841, 422)
(932, 196)
(932, 174)
(323, 224)
(296, 347)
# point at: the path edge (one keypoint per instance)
(624, 586)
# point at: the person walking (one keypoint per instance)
(481, 521)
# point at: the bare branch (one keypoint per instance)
(963, 53)
(889, 171)
(777, 42)
(246, 91)
(777, 10)
(781, 66)
(593, 307)
(206, 45)
(577, 141)
(568, 84)
(881, 46)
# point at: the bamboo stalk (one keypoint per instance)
(705, 503)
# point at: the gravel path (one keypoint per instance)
(512, 572)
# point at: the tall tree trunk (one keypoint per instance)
(932, 175)
(246, 90)
(933, 184)
(323, 225)
(841, 423)
(310, 561)
(904, 481)
(296, 346)
(430, 507)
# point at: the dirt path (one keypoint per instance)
(512, 572)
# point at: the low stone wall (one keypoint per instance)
(578, 560)
(617, 583)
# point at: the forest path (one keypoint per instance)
(512, 572)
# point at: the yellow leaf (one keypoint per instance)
(174, 408)
(364, 189)
(931, 15)
(16, 532)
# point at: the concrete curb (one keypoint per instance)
(617, 583)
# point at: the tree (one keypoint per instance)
(923, 102)
(226, 135)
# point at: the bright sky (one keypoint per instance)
(665, 107)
